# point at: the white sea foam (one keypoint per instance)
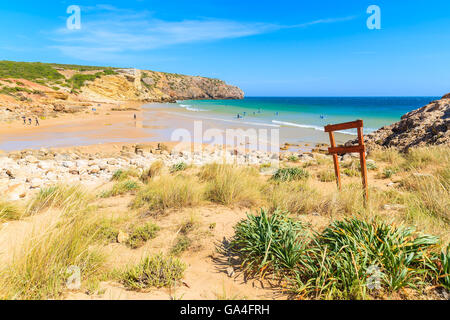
(292, 124)
(190, 108)
(228, 120)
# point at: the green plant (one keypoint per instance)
(343, 257)
(388, 173)
(370, 165)
(105, 231)
(120, 188)
(265, 165)
(141, 234)
(78, 80)
(178, 167)
(444, 267)
(351, 172)
(121, 174)
(268, 242)
(9, 211)
(155, 271)
(289, 174)
(28, 70)
(292, 158)
(182, 244)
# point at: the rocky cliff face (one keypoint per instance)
(144, 85)
(428, 125)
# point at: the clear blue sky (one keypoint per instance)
(268, 48)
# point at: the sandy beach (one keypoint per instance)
(155, 122)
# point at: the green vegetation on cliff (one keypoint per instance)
(28, 70)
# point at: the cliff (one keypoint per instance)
(428, 125)
(145, 85)
(40, 89)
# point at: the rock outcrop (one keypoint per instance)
(428, 125)
(151, 86)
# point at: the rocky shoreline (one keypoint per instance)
(429, 125)
(23, 173)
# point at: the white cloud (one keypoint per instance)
(107, 32)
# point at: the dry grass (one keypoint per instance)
(39, 268)
(120, 188)
(9, 211)
(293, 197)
(152, 172)
(326, 175)
(418, 158)
(231, 185)
(169, 192)
(121, 175)
(74, 232)
(71, 198)
(390, 155)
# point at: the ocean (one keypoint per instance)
(307, 112)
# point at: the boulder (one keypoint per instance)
(16, 192)
(428, 125)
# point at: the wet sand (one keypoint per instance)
(155, 123)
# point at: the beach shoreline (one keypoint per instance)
(155, 122)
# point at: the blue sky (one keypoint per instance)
(268, 48)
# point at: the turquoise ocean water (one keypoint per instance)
(308, 112)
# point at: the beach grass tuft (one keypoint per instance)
(140, 234)
(169, 192)
(41, 265)
(120, 188)
(154, 170)
(153, 271)
(71, 198)
(231, 185)
(289, 174)
(9, 211)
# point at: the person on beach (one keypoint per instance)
(135, 116)
(29, 121)
(37, 121)
(24, 120)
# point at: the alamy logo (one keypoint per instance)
(74, 280)
(374, 21)
(74, 21)
(374, 281)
